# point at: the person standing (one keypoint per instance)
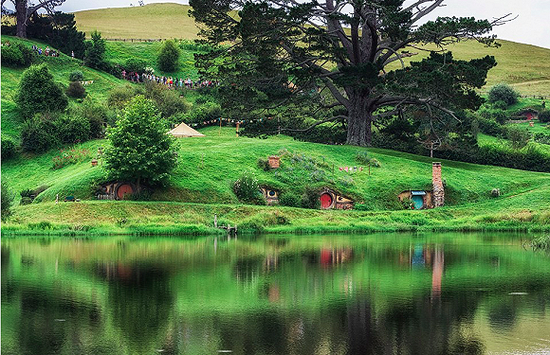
(72, 54)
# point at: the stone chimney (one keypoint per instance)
(437, 182)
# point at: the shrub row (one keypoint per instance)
(16, 55)
(48, 130)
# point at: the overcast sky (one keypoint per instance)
(532, 25)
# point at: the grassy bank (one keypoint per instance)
(176, 218)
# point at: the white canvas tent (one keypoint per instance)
(183, 130)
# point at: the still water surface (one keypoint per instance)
(375, 294)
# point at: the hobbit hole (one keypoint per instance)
(330, 199)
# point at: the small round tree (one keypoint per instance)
(503, 93)
(140, 150)
(169, 56)
(38, 92)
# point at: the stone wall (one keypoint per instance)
(438, 189)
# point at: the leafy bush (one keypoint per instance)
(528, 158)
(539, 138)
(76, 75)
(39, 134)
(263, 164)
(206, 112)
(16, 55)
(7, 200)
(500, 105)
(247, 189)
(168, 102)
(28, 195)
(490, 127)
(97, 115)
(374, 162)
(289, 199)
(135, 65)
(8, 148)
(504, 93)
(362, 157)
(76, 90)
(95, 51)
(310, 198)
(38, 92)
(544, 116)
(120, 96)
(518, 137)
(72, 129)
(25, 201)
(497, 115)
(169, 55)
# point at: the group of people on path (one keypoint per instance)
(47, 52)
(171, 82)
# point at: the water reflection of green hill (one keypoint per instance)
(140, 295)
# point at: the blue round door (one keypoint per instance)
(418, 202)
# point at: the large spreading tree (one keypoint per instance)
(338, 54)
(25, 9)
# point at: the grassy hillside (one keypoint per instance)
(208, 166)
(60, 67)
(119, 52)
(525, 66)
(154, 21)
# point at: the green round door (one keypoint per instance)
(418, 202)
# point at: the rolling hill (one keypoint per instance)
(526, 67)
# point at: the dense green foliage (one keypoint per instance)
(518, 137)
(170, 103)
(503, 93)
(76, 75)
(58, 29)
(7, 200)
(76, 90)
(272, 42)
(9, 148)
(135, 65)
(140, 149)
(169, 56)
(38, 92)
(247, 189)
(95, 51)
(544, 116)
(16, 55)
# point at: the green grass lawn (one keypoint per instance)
(153, 21)
(208, 166)
(119, 52)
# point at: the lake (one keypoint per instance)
(340, 294)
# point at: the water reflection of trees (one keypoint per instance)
(278, 297)
(140, 302)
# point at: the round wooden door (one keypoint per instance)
(326, 200)
(123, 190)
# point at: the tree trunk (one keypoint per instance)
(359, 121)
(21, 16)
